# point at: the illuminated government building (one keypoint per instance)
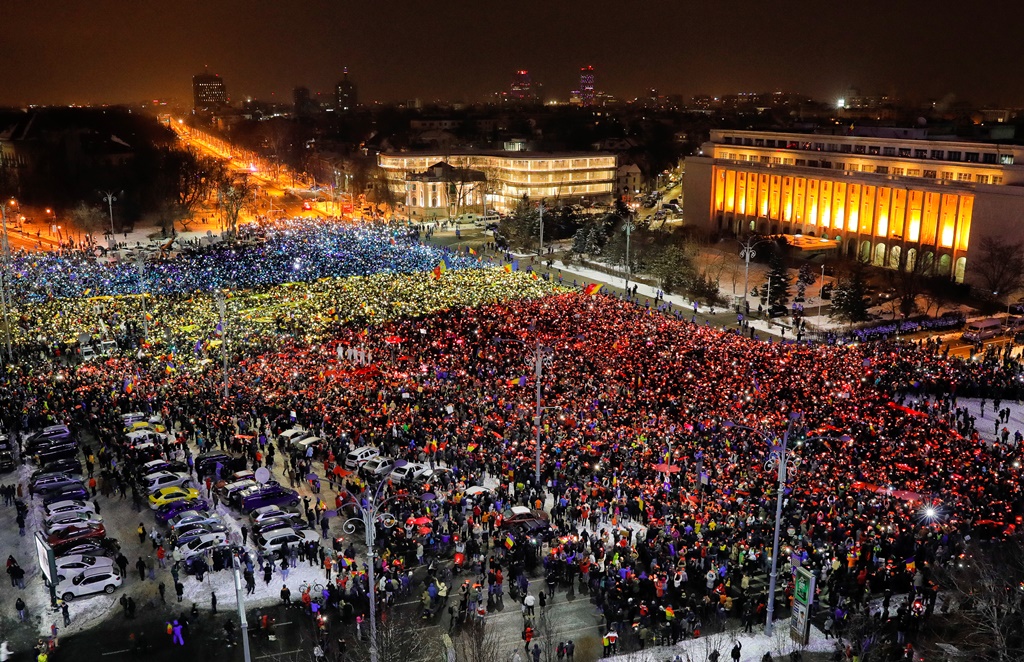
(510, 175)
(891, 198)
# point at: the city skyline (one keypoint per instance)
(106, 52)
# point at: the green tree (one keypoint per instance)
(522, 227)
(850, 297)
(673, 267)
(778, 282)
(588, 240)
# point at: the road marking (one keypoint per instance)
(126, 650)
(261, 657)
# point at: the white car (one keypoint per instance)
(278, 538)
(62, 521)
(71, 506)
(166, 479)
(192, 517)
(74, 564)
(94, 580)
(203, 544)
(140, 437)
(407, 472)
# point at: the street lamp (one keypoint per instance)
(778, 458)
(541, 353)
(240, 603)
(746, 252)
(369, 510)
(111, 199)
(628, 227)
(222, 309)
(5, 284)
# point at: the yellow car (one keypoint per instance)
(169, 494)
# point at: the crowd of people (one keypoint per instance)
(662, 502)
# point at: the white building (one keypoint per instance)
(891, 198)
(554, 177)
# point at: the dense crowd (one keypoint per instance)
(664, 512)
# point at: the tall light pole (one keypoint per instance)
(540, 248)
(541, 353)
(628, 228)
(779, 458)
(5, 285)
(140, 264)
(821, 290)
(369, 509)
(111, 199)
(746, 252)
(240, 603)
(222, 308)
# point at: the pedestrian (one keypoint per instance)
(65, 613)
(245, 533)
(19, 604)
(174, 629)
(213, 603)
(163, 590)
(536, 652)
(179, 590)
(736, 651)
(570, 650)
(140, 565)
(286, 596)
(142, 533)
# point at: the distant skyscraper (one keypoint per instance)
(303, 101)
(522, 87)
(347, 94)
(586, 91)
(208, 92)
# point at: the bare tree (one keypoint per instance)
(396, 643)
(1000, 266)
(986, 583)
(234, 197)
(477, 643)
(88, 218)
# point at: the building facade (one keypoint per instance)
(894, 199)
(208, 92)
(509, 176)
(346, 94)
(442, 191)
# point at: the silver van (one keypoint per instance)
(979, 330)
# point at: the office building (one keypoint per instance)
(890, 197)
(208, 92)
(586, 92)
(511, 175)
(346, 92)
(521, 90)
(443, 191)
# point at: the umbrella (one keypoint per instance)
(422, 520)
(666, 468)
(312, 476)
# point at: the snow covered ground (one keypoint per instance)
(754, 646)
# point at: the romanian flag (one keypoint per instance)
(521, 381)
(363, 333)
(592, 289)
(471, 447)
(508, 268)
(472, 252)
(533, 275)
(87, 291)
(509, 543)
(332, 312)
(911, 564)
(198, 349)
(441, 267)
(219, 329)
(129, 385)
(170, 367)
(149, 318)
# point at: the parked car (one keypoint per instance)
(62, 521)
(78, 532)
(191, 517)
(47, 483)
(206, 463)
(70, 466)
(203, 544)
(270, 495)
(184, 534)
(94, 580)
(275, 540)
(161, 465)
(270, 513)
(75, 563)
(517, 514)
(71, 492)
(72, 506)
(360, 456)
(407, 472)
(378, 467)
(89, 547)
(164, 479)
(62, 451)
(275, 524)
(166, 495)
(169, 510)
(6, 461)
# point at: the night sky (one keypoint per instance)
(74, 51)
